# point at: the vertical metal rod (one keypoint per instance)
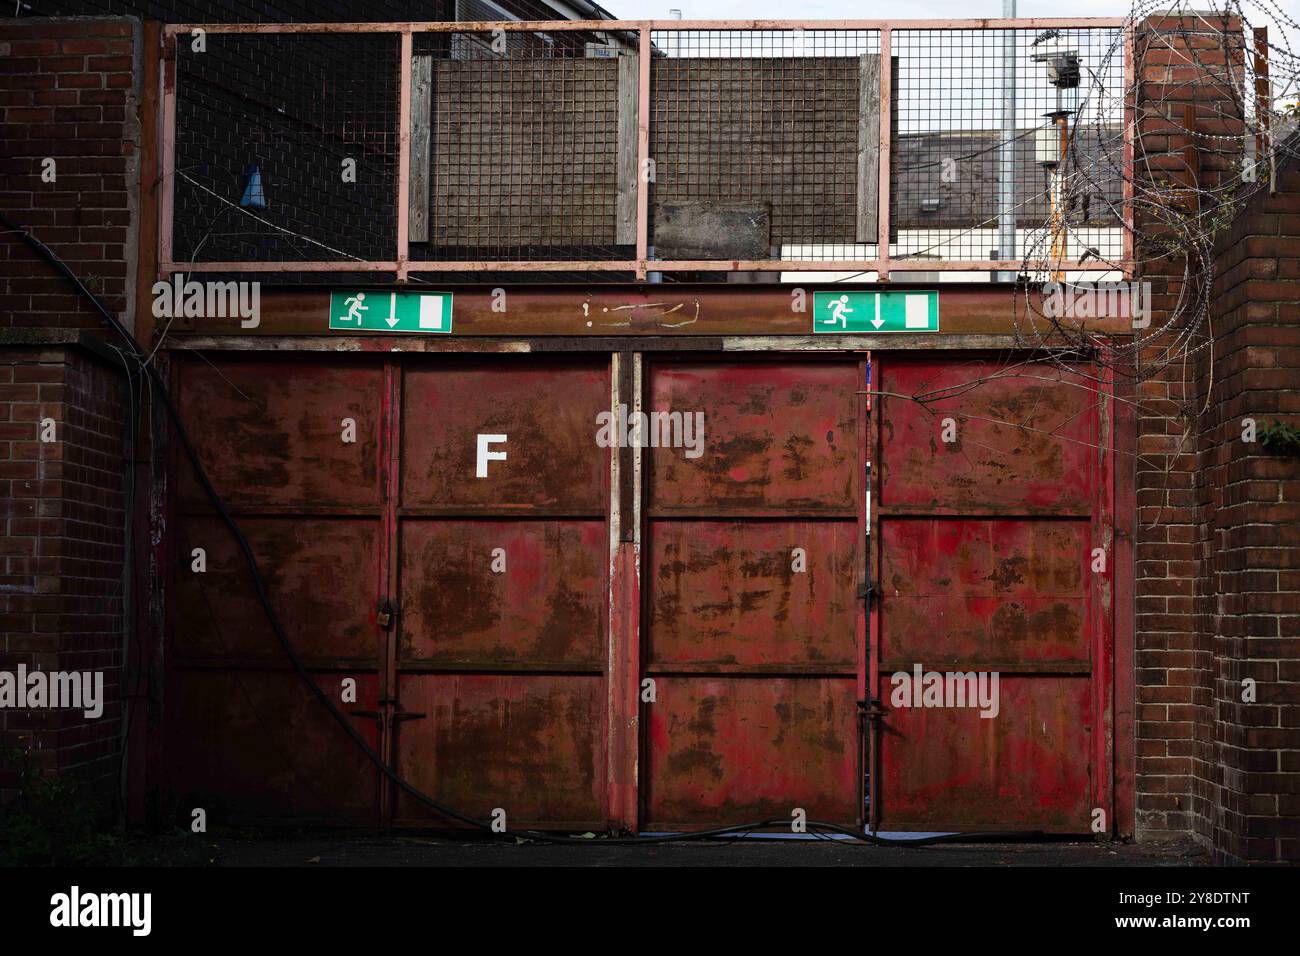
(388, 582)
(1060, 247)
(1130, 168)
(166, 203)
(1007, 148)
(616, 718)
(886, 150)
(643, 153)
(1191, 157)
(860, 625)
(1103, 729)
(1263, 102)
(875, 714)
(404, 158)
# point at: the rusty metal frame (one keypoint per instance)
(623, 665)
(167, 159)
(1123, 693)
(404, 156)
(1130, 132)
(865, 625)
(643, 153)
(659, 316)
(875, 448)
(629, 26)
(885, 164)
(1102, 604)
(1263, 101)
(387, 583)
(402, 266)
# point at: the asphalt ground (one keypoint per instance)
(404, 850)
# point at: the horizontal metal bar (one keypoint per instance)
(594, 669)
(973, 513)
(441, 265)
(196, 510)
(619, 26)
(1009, 666)
(711, 513)
(508, 265)
(867, 265)
(1003, 342)
(167, 268)
(316, 342)
(720, 670)
(654, 265)
(499, 513)
(837, 345)
(357, 665)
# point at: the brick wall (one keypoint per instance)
(1172, 658)
(1250, 550)
(68, 92)
(61, 546)
(1217, 539)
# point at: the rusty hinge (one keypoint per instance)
(398, 713)
(871, 709)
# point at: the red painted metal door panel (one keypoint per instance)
(529, 744)
(504, 588)
(985, 555)
(294, 448)
(547, 410)
(725, 594)
(547, 606)
(779, 437)
(251, 745)
(1026, 769)
(1003, 592)
(320, 573)
(755, 663)
(1026, 441)
(270, 433)
(730, 750)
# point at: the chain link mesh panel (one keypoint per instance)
(979, 114)
(763, 144)
(286, 147)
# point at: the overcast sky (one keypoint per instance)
(943, 9)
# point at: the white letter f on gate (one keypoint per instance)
(484, 456)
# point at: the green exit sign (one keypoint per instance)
(894, 310)
(391, 311)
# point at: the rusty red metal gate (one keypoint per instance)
(751, 619)
(513, 669)
(471, 610)
(244, 738)
(986, 552)
(503, 583)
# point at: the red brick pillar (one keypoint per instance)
(1183, 67)
(69, 142)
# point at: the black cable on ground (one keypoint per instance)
(300, 668)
